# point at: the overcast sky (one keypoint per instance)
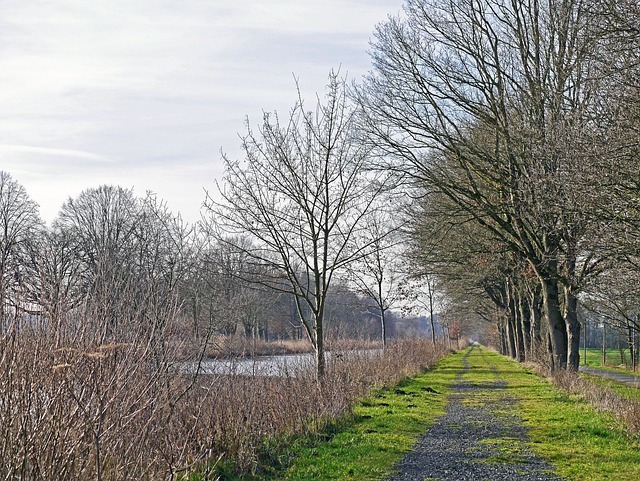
(145, 93)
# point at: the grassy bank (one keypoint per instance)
(384, 426)
(581, 442)
(615, 359)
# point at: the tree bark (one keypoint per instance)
(536, 324)
(520, 350)
(431, 316)
(555, 322)
(515, 321)
(632, 351)
(383, 327)
(573, 331)
(320, 360)
(511, 336)
(525, 317)
(503, 338)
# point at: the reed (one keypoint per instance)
(123, 411)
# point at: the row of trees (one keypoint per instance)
(110, 264)
(518, 123)
(512, 126)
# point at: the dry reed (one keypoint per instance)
(122, 411)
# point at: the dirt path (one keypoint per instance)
(478, 439)
(629, 379)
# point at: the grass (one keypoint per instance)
(581, 443)
(509, 451)
(614, 362)
(383, 428)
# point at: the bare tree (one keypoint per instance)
(379, 274)
(60, 279)
(420, 295)
(235, 305)
(20, 229)
(301, 195)
(130, 256)
(101, 223)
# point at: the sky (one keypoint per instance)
(146, 94)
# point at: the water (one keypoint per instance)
(290, 365)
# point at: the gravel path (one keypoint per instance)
(476, 440)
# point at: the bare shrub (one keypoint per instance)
(248, 412)
(121, 411)
(84, 413)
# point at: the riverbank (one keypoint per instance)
(127, 411)
(255, 420)
(241, 347)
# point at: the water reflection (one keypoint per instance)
(291, 365)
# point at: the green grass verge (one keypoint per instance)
(383, 429)
(615, 360)
(580, 442)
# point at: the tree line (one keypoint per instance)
(518, 123)
(114, 267)
(511, 130)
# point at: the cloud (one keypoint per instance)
(146, 92)
(50, 152)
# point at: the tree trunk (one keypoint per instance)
(585, 340)
(430, 288)
(320, 360)
(552, 365)
(503, 338)
(525, 318)
(573, 331)
(556, 323)
(536, 318)
(635, 346)
(511, 336)
(630, 343)
(604, 344)
(383, 327)
(520, 346)
(433, 331)
(515, 321)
